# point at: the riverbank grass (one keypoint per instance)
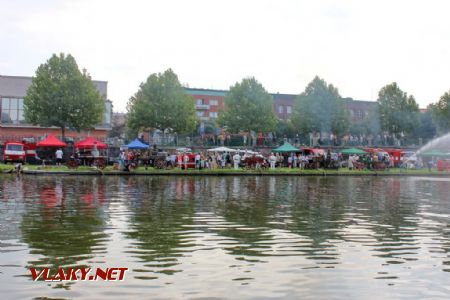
(227, 171)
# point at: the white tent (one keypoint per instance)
(221, 149)
(246, 151)
(184, 150)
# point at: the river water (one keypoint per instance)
(228, 237)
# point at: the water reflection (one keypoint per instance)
(64, 224)
(245, 230)
(156, 225)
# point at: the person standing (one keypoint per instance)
(197, 161)
(350, 162)
(121, 159)
(272, 160)
(186, 161)
(236, 160)
(180, 160)
(59, 156)
(224, 159)
(202, 161)
(219, 160)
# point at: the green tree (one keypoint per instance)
(441, 113)
(248, 106)
(320, 108)
(398, 111)
(372, 122)
(284, 128)
(425, 129)
(60, 95)
(161, 103)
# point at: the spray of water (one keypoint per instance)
(441, 143)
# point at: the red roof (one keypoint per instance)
(89, 143)
(51, 141)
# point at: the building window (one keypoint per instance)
(360, 114)
(199, 101)
(289, 109)
(12, 111)
(213, 102)
(200, 113)
(213, 114)
(280, 109)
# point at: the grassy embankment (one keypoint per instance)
(278, 171)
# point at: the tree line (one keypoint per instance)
(319, 109)
(62, 95)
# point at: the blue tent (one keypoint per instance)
(137, 144)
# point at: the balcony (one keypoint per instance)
(201, 106)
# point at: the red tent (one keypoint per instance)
(89, 143)
(51, 141)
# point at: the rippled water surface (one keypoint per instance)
(228, 237)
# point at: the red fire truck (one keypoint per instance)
(14, 152)
(22, 152)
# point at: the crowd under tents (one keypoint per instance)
(45, 149)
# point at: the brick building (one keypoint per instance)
(359, 109)
(12, 122)
(208, 102)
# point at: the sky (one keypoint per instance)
(358, 46)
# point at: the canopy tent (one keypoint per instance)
(89, 143)
(137, 144)
(221, 149)
(246, 151)
(51, 141)
(436, 153)
(350, 151)
(184, 150)
(286, 147)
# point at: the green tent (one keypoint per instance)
(351, 151)
(286, 147)
(432, 153)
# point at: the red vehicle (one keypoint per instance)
(443, 165)
(29, 145)
(396, 155)
(14, 152)
(191, 162)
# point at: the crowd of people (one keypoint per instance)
(222, 160)
(320, 159)
(254, 139)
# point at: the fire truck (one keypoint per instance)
(23, 152)
(14, 152)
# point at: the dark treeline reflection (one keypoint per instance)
(65, 220)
